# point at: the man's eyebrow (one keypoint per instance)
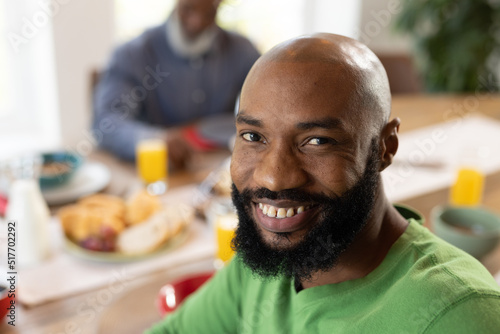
(325, 123)
(248, 120)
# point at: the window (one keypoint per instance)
(28, 99)
(258, 20)
(5, 101)
(132, 16)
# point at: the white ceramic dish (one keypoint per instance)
(89, 179)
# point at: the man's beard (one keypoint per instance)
(340, 220)
(189, 48)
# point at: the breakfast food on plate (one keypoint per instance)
(109, 203)
(54, 168)
(92, 227)
(149, 235)
(107, 223)
(141, 206)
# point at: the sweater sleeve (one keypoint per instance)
(117, 126)
(215, 308)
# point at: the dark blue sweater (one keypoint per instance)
(147, 87)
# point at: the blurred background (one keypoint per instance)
(50, 50)
(442, 58)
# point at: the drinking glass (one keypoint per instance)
(468, 187)
(225, 226)
(152, 164)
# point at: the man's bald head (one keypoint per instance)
(358, 71)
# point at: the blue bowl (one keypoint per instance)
(58, 168)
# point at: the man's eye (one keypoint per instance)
(319, 141)
(250, 136)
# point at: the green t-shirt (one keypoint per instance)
(423, 285)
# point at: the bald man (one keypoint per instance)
(319, 247)
(184, 71)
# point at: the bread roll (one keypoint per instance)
(140, 207)
(155, 231)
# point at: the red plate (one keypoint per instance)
(171, 295)
(3, 204)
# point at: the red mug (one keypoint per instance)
(173, 294)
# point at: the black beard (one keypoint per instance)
(340, 220)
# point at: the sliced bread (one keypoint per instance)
(155, 231)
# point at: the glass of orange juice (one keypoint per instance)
(225, 225)
(468, 187)
(152, 164)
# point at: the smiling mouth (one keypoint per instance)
(283, 219)
(280, 213)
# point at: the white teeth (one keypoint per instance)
(281, 213)
(271, 212)
(274, 212)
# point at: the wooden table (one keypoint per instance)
(416, 111)
(81, 313)
(133, 309)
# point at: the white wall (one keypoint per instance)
(339, 17)
(83, 37)
(377, 19)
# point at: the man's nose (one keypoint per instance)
(280, 168)
(196, 24)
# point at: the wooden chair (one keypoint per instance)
(403, 77)
(94, 79)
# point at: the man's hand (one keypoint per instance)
(179, 150)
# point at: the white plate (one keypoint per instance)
(111, 257)
(89, 179)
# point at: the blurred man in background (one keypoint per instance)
(171, 76)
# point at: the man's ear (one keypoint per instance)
(389, 143)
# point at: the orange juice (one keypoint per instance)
(468, 187)
(225, 226)
(152, 163)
